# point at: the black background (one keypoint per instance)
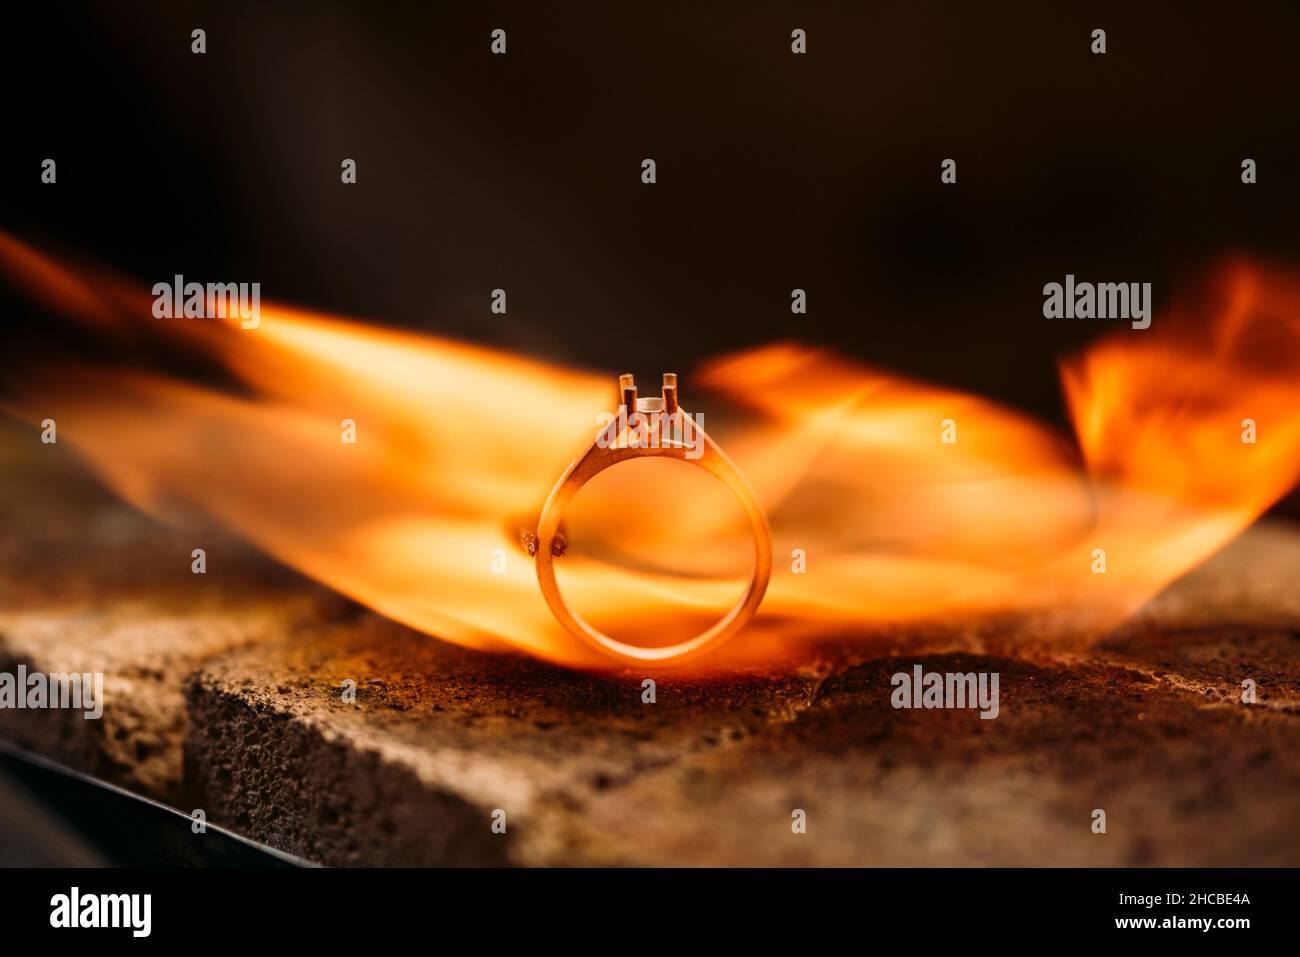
(775, 171)
(586, 910)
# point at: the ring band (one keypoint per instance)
(674, 435)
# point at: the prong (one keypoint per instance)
(670, 393)
(627, 386)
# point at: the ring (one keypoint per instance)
(649, 427)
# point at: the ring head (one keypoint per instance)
(699, 450)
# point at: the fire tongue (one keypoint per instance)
(398, 468)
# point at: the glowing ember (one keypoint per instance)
(906, 502)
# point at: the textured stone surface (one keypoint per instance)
(225, 694)
(89, 584)
(1148, 727)
(438, 738)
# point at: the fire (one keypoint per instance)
(890, 500)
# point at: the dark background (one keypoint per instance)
(775, 171)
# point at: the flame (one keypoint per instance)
(458, 445)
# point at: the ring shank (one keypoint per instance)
(712, 460)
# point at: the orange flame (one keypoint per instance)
(457, 447)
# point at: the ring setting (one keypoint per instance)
(654, 426)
